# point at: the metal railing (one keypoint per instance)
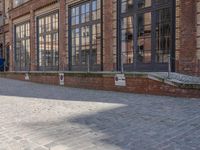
(88, 65)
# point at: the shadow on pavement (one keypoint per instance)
(142, 123)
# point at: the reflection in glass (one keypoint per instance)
(144, 3)
(144, 37)
(127, 40)
(48, 42)
(163, 35)
(126, 5)
(22, 46)
(86, 34)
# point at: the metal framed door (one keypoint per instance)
(153, 39)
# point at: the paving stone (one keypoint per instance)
(59, 147)
(43, 117)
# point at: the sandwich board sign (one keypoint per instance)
(120, 80)
(62, 78)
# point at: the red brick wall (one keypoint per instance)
(29, 8)
(187, 60)
(33, 36)
(108, 35)
(135, 84)
(62, 36)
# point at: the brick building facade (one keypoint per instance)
(4, 31)
(104, 35)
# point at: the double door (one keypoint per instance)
(146, 36)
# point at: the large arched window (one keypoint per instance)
(146, 32)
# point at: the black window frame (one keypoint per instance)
(51, 33)
(27, 64)
(90, 23)
(134, 12)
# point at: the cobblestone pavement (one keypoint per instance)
(43, 117)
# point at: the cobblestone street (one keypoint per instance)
(44, 117)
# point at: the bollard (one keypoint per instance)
(169, 65)
(122, 65)
(88, 63)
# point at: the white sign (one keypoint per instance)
(120, 80)
(62, 78)
(27, 76)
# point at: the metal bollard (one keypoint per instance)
(88, 63)
(122, 65)
(169, 65)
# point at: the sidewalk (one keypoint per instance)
(43, 117)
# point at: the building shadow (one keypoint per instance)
(134, 127)
(138, 122)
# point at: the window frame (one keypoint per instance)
(26, 67)
(52, 67)
(90, 23)
(136, 66)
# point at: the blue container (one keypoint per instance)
(2, 64)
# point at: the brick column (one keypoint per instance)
(187, 59)
(108, 35)
(62, 36)
(11, 67)
(33, 52)
(198, 38)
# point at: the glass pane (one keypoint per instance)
(27, 52)
(144, 37)
(86, 35)
(127, 40)
(85, 40)
(126, 5)
(144, 3)
(41, 50)
(163, 35)
(55, 49)
(22, 46)
(48, 41)
(75, 46)
(55, 22)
